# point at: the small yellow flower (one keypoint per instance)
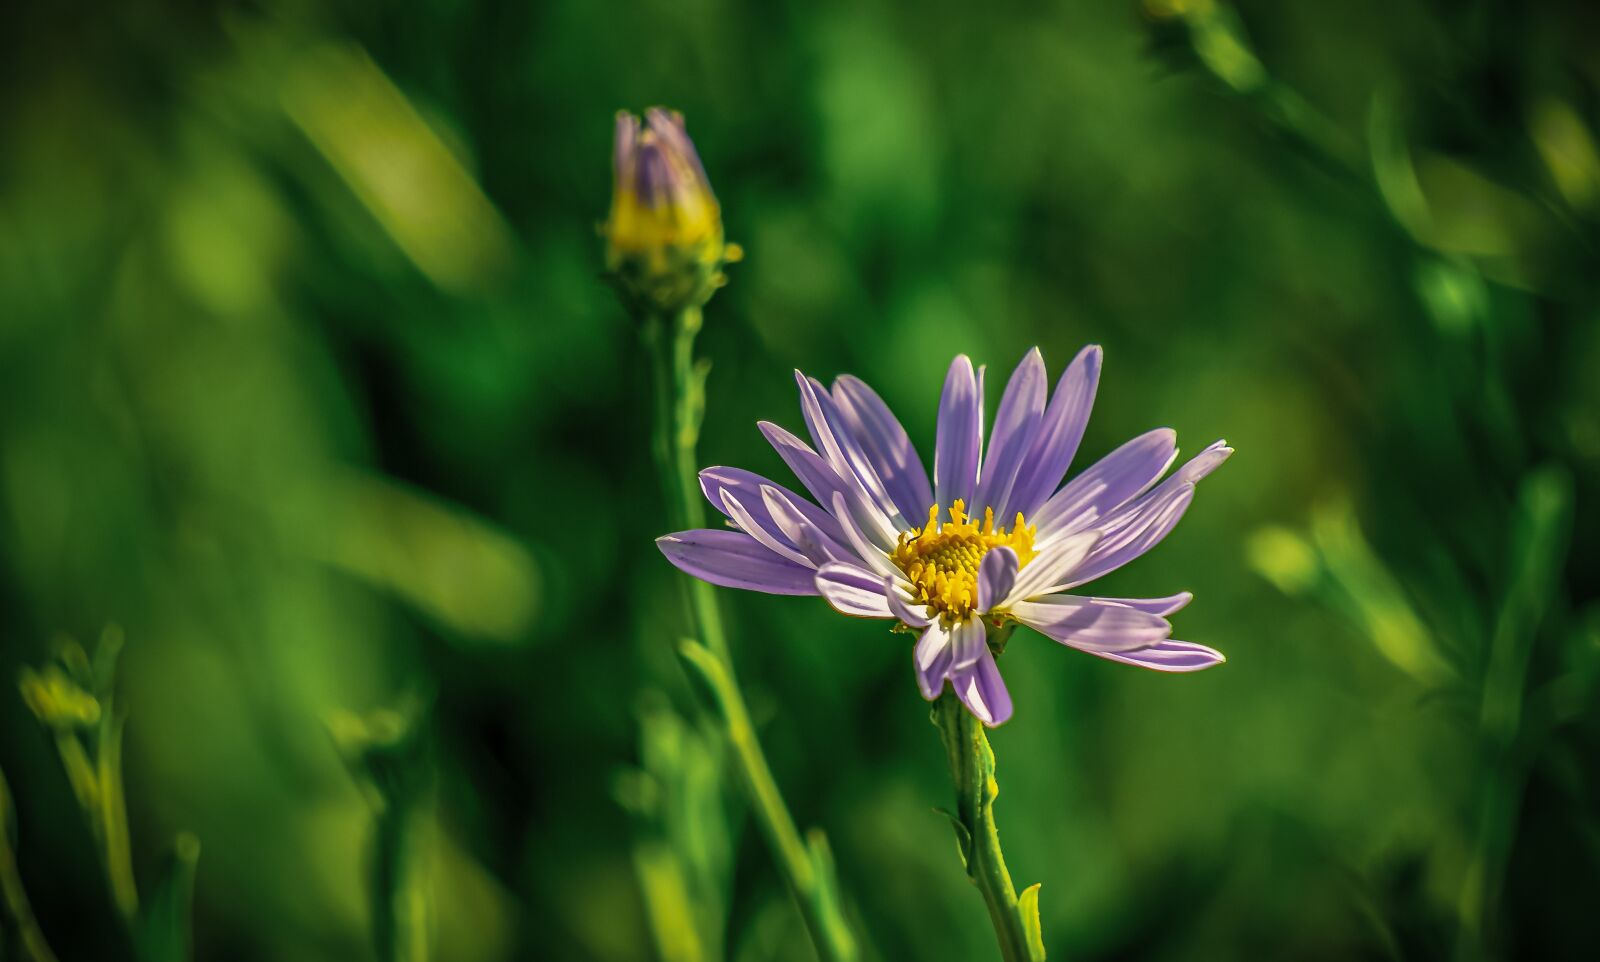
(665, 247)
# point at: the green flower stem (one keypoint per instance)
(680, 404)
(30, 940)
(113, 813)
(808, 869)
(1016, 920)
(400, 904)
(81, 776)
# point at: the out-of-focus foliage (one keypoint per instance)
(308, 381)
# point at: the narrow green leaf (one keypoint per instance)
(1392, 167)
(164, 926)
(1540, 532)
(1028, 908)
(705, 666)
(963, 836)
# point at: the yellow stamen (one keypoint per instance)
(941, 561)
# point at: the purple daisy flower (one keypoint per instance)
(995, 539)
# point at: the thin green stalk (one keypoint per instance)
(31, 940)
(81, 776)
(680, 404)
(1016, 919)
(114, 815)
(399, 902)
(806, 865)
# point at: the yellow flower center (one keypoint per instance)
(941, 561)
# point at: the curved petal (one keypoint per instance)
(982, 690)
(839, 445)
(914, 616)
(870, 554)
(733, 559)
(997, 573)
(778, 546)
(1114, 480)
(1015, 425)
(932, 657)
(750, 489)
(1204, 463)
(1168, 656)
(804, 534)
(824, 482)
(1092, 626)
(853, 591)
(959, 436)
(1059, 435)
(816, 474)
(622, 158)
(1154, 520)
(1135, 528)
(818, 548)
(1055, 563)
(1155, 606)
(969, 641)
(886, 445)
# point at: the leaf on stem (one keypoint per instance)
(1028, 909)
(963, 837)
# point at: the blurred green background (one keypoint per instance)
(308, 382)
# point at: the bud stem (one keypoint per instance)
(680, 405)
(1016, 920)
(31, 941)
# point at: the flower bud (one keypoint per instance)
(56, 700)
(665, 248)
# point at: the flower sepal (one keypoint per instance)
(1000, 631)
(669, 279)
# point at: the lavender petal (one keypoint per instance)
(900, 604)
(627, 134)
(779, 546)
(852, 590)
(733, 559)
(1060, 433)
(831, 434)
(1168, 656)
(932, 656)
(997, 573)
(968, 642)
(959, 436)
(751, 490)
(1056, 562)
(807, 537)
(982, 690)
(814, 473)
(1015, 425)
(1137, 527)
(1155, 606)
(668, 125)
(870, 554)
(1114, 480)
(1090, 626)
(886, 443)
(1154, 520)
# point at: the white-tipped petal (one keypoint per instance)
(852, 590)
(1054, 564)
(915, 616)
(870, 554)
